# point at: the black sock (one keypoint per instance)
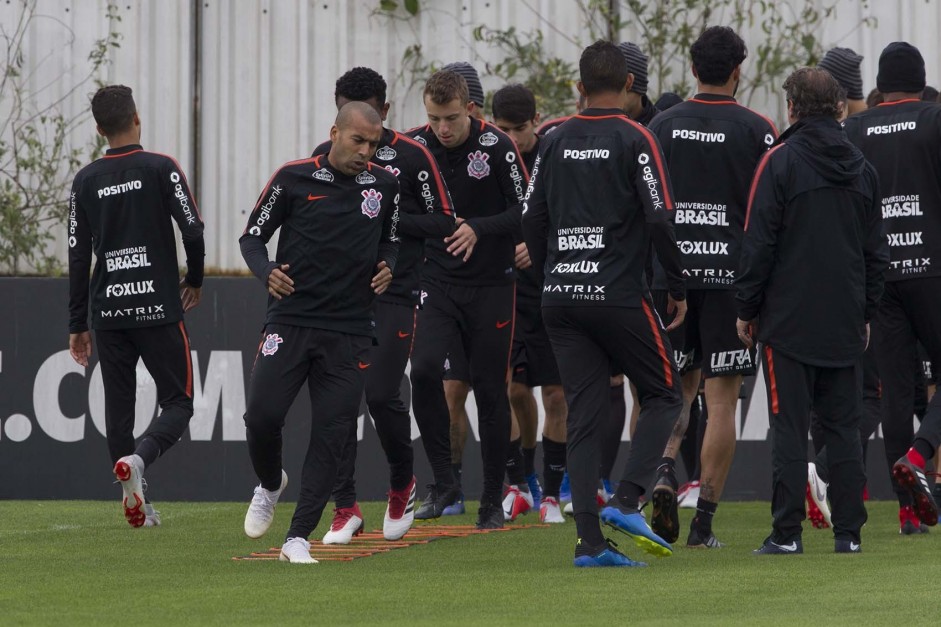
(628, 494)
(458, 471)
(667, 469)
(148, 450)
(529, 461)
(589, 531)
(924, 449)
(705, 510)
(514, 463)
(553, 459)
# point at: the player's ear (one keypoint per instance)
(536, 119)
(580, 86)
(629, 83)
(385, 111)
(334, 133)
(101, 131)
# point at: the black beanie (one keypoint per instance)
(475, 90)
(636, 65)
(843, 65)
(901, 68)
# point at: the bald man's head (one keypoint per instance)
(355, 136)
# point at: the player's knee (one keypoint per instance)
(520, 394)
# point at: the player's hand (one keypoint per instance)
(678, 306)
(383, 278)
(189, 295)
(462, 241)
(279, 283)
(80, 347)
(746, 331)
(522, 257)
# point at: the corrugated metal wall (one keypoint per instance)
(265, 93)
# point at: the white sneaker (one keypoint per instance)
(516, 502)
(549, 511)
(818, 492)
(152, 516)
(261, 510)
(296, 551)
(689, 497)
(347, 522)
(568, 509)
(400, 512)
(129, 470)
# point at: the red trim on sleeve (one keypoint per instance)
(433, 166)
(754, 182)
(183, 174)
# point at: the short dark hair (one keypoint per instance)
(361, 83)
(814, 92)
(930, 94)
(113, 109)
(514, 103)
(444, 86)
(717, 52)
(602, 68)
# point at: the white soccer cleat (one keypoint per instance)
(818, 492)
(516, 502)
(569, 509)
(400, 512)
(549, 511)
(296, 551)
(347, 522)
(688, 496)
(152, 516)
(260, 512)
(129, 470)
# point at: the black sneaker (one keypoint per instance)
(434, 504)
(846, 546)
(665, 516)
(912, 478)
(699, 539)
(794, 547)
(490, 515)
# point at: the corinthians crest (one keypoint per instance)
(371, 203)
(270, 346)
(478, 167)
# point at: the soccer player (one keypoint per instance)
(638, 107)
(532, 362)
(424, 211)
(843, 65)
(600, 192)
(811, 273)
(712, 145)
(902, 138)
(122, 207)
(337, 250)
(468, 281)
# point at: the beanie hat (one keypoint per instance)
(475, 90)
(901, 68)
(636, 65)
(843, 65)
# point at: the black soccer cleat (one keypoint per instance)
(794, 547)
(490, 515)
(846, 546)
(436, 500)
(665, 516)
(912, 478)
(699, 539)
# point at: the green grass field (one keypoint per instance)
(72, 563)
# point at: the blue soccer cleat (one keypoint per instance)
(456, 508)
(565, 491)
(635, 525)
(535, 489)
(606, 555)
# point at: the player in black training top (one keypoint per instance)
(424, 211)
(532, 362)
(468, 288)
(337, 249)
(711, 145)
(599, 193)
(123, 207)
(902, 138)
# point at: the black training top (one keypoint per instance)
(599, 192)
(335, 229)
(902, 140)
(712, 145)
(815, 253)
(120, 207)
(487, 181)
(424, 208)
(528, 280)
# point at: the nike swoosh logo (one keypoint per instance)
(854, 546)
(363, 366)
(500, 325)
(790, 548)
(821, 496)
(403, 334)
(312, 197)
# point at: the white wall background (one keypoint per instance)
(269, 66)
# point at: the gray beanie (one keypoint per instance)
(475, 90)
(636, 65)
(843, 65)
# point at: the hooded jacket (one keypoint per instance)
(815, 252)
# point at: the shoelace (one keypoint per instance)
(264, 504)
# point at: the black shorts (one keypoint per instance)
(531, 358)
(708, 338)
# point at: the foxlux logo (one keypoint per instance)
(112, 190)
(885, 129)
(592, 153)
(905, 239)
(129, 289)
(182, 196)
(264, 212)
(579, 267)
(698, 135)
(73, 222)
(703, 248)
(653, 185)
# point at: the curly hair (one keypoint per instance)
(360, 84)
(717, 52)
(113, 108)
(514, 103)
(814, 92)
